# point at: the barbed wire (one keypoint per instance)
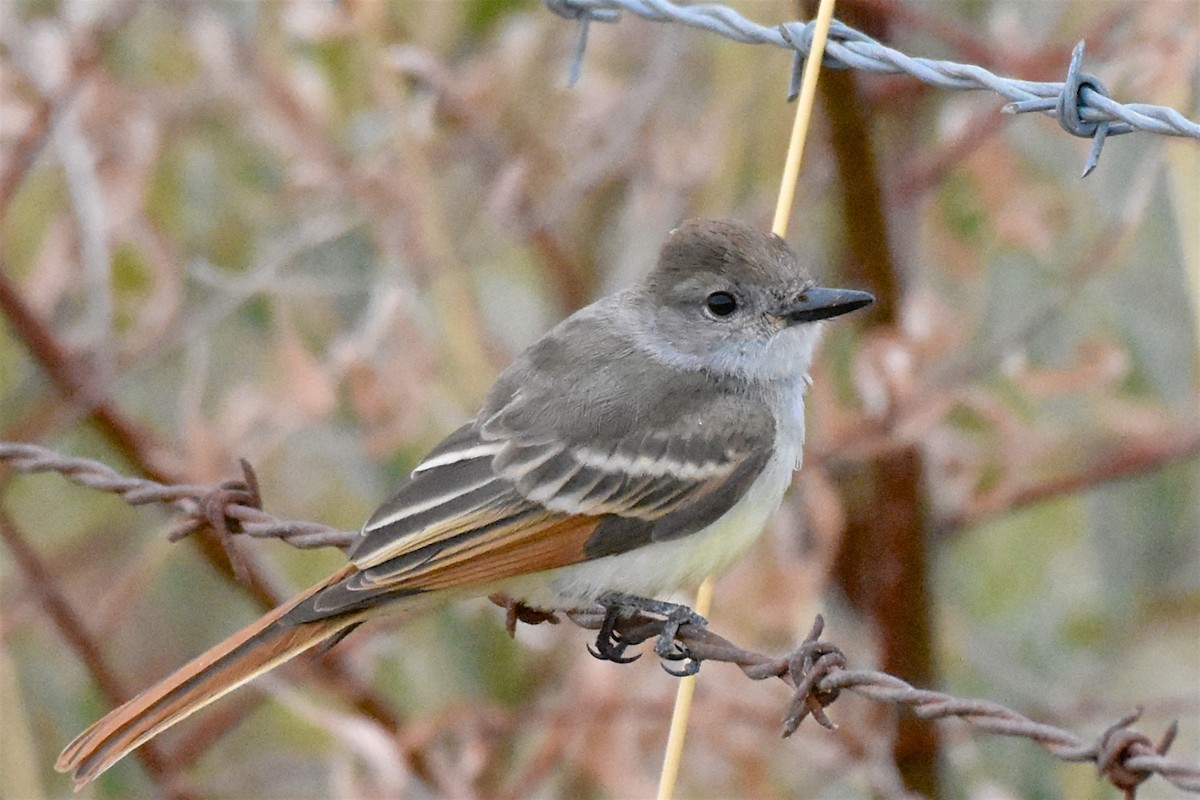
(815, 670)
(817, 673)
(1081, 104)
(231, 507)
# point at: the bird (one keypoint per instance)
(636, 448)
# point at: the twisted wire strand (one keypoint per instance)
(195, 501)
(852, 49)
(817, 672)
(1124, 756)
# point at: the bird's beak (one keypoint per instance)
(816, 303)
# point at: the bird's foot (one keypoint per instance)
(610, 645)
(674, 616)
(515, 611)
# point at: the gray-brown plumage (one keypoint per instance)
(637, 447)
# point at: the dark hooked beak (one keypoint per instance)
(816, 303)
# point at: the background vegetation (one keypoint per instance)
(309, 234)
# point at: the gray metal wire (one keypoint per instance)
(1080, 103)
(234, 504)
(817, 671)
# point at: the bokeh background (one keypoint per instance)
(309, 234)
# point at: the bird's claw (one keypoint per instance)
(612, 652)
(610, 646)
(690, 668)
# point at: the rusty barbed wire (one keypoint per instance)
(1081, 103)
(815, 670)
(230, 508)
(817, 673)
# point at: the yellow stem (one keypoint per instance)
(783, 211)
(804, 106)
(683, 707)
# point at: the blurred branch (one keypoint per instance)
(405, 218)
(923, 171)
(1133, 456)
(71, 376)
(83, 61)
(511, 200)
(75, 381)
(40, 580)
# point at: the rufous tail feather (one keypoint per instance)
(264, 644)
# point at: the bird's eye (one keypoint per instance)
(721, 304)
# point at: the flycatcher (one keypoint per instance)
(636, 448)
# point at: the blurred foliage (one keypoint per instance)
(309, 234)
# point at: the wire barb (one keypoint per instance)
(812, 662)
(1081, 103)
(583, 17)
(232, 508)
(1072, 103)
(1119, 745)
(799, 37)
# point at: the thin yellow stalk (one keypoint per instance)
(683, 708)
(804, 106)
(783, 211)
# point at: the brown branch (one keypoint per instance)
(40, 580)
(927, 170)
(213, 725)
(24, 151)
(883, 559)
(75, 381)
(84, 60)
(1133, 457)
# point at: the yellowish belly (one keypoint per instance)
(665, 566)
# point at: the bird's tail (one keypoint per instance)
(264, 644)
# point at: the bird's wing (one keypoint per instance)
(491, 503)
